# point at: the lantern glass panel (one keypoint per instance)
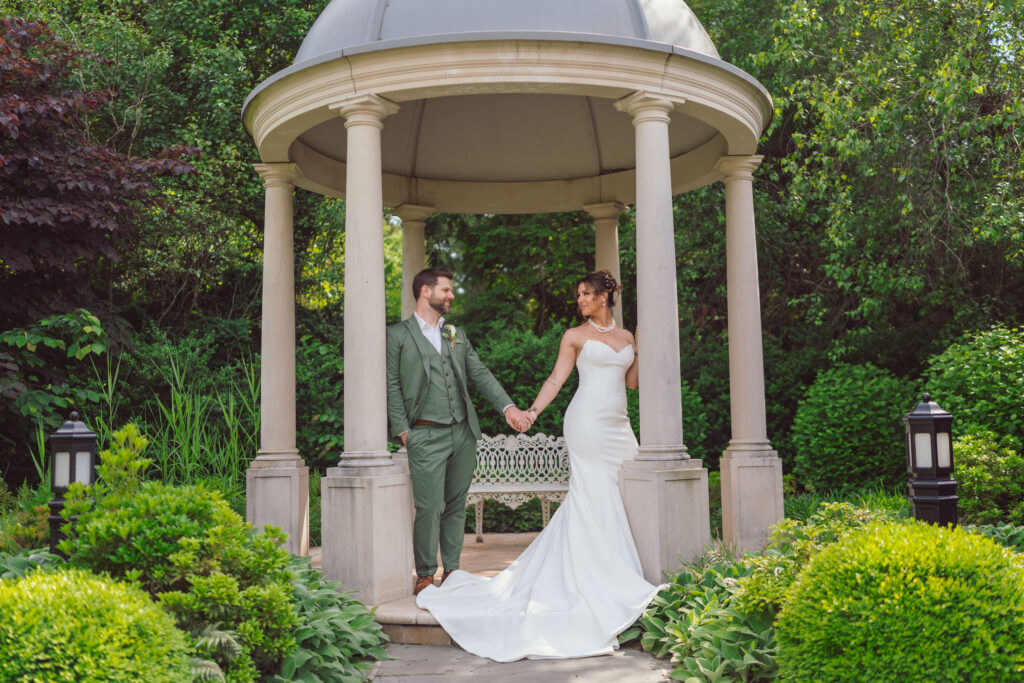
(923, 450)
(942, 449)
(82, 473)
(61, 469)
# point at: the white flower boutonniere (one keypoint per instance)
(449, 333)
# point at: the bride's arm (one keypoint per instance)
(564, 364)
(633, 373)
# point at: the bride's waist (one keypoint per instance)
(602, 389)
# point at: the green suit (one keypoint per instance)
(426, 385)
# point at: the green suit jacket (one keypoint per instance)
(408, 368)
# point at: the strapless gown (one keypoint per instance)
(579, 584)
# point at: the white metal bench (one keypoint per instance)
(513, 469)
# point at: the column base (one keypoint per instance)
(368, 462)
(277, 493)
(751, 497)
(667, 507)
(661, 454)
(367, 531)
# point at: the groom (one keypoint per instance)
(429, 366)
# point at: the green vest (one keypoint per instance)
(443, 402)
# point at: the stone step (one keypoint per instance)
(406, 623)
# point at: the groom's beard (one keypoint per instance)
(441, 305)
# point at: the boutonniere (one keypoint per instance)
(449, 333)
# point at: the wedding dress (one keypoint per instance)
(579, 584)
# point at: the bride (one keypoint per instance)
(579, 584)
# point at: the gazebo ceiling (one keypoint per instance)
(507, 137)
(506, 106)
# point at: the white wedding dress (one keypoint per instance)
(579, 584)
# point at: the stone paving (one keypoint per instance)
(435, 659)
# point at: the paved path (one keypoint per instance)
(428, 664)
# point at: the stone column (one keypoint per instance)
(414, 249)
(277, 484)
(606, 242)
(665, 492)
(367, 531)
(751, 470)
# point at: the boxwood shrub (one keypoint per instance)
(848, 429)
(228, 587)
(980, 380)
(905, 601)
(70, 625)
(990, 475)
(193, 553)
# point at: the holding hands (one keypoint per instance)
(519, 420)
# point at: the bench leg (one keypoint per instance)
(478, 509)
(545, 510)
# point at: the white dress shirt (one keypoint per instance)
(432, 333)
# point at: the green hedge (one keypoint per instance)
(905, 602)
(227, 586)
(68, 625)
(848, 430)
(990, 478)
(980, 380)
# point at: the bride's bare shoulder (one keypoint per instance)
(574, 336)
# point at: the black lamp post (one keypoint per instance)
(930, 463)
(72, 458)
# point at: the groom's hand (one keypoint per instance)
(517, 419)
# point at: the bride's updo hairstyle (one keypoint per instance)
(600, 281)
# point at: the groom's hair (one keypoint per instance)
(428, 277)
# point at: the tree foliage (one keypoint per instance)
(62, 195)
(889, 206)
(889, 203)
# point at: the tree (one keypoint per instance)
(64, 201)
(890, 203)
(62, 196)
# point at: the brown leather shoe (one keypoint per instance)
(447, 573)
(421, 583)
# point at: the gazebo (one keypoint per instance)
(490, 106)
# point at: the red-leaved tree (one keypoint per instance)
(63, 197)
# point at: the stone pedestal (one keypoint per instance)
(277, 493)
(751, 499)
(667, 507)
(367, 531)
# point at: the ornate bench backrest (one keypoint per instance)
(511, 460)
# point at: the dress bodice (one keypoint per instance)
(602, 368)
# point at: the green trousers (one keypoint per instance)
(441, 464)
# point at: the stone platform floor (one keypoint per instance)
(421, 652)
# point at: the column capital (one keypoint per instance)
(414, 212)
(737, 167)
(365, 110)
(644, 105)
(278, 175)
(607, 210)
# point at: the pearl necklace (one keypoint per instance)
(601, 328)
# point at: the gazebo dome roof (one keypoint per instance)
(504, 106)
(352, 26)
